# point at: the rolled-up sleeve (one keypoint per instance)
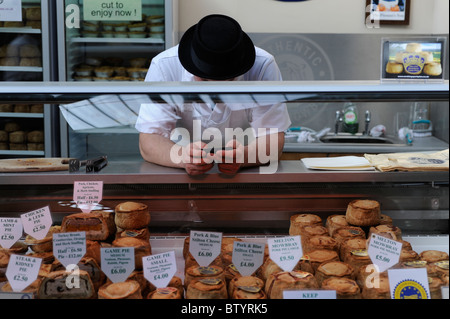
(266, 117)
(157, 118)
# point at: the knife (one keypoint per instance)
(92, 165)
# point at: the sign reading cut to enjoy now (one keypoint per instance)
(112, 10)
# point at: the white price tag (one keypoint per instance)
(11, 10)
(247, 257)
(37, 223)
(285, 251)
(159, 269)
(409, 283)
(70, 247)
(309, 294)
(444, 291)
(22, 271)
(11, 230)
(205, 246)
(384, 252)
(87, 195)
(117, 262)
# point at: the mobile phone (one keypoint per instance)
(213, 150)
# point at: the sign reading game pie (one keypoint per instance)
(117, 262)
(159, 269)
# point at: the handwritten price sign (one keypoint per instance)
(117, 263)
(37, 223)
(384, 252)
(22, 271)
(159, 269)
(285, 251)
(205, 246)
(11, 230)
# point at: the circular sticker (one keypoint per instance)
(207, 270)
(442, 264)
(410, 289)
(305, 257)
(416, 264)
(211, 281)
(300, 274)
(251, 289)
(232, 267)
(360, 252)
(166, 290)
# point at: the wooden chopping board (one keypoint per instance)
(34, 164)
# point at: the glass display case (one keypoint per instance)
(25, 55)
(24, 45)
(250, 205)
(113, 43)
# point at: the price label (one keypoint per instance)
(37, 223)
(22, 271)
(11, 230)
(285, 251)
(247, 257)
(409, 283)
(444, 292)
(309, 294)
(117, 262)
(384, 252)
(205, 246)
(11, 10)
(70, 247)
(159, 269)
(87, 195)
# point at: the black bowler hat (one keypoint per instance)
(216, 48)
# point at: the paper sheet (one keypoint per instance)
(341, 163)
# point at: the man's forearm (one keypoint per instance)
(157, 149)
(264, 149)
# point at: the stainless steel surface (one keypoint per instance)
(426, 144)
(248, 202)
(338, 121)
(361, 138)
(367, 123)
(296, 90)
(141, 172)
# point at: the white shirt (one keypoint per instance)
(162, 119)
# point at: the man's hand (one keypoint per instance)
(231, 159)
(196, 160)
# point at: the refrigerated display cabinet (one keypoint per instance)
(26, 55)
(99, 48)
(251, 205)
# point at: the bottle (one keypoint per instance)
(350, 124)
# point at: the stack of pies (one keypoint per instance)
(120, 290)
(289, 280)
(207, 288)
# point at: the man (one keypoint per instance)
(215, 49)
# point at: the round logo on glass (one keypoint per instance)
(299, 58)
(410, 289)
